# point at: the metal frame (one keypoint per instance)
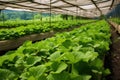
(66, 6)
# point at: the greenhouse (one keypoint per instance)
(59, 39)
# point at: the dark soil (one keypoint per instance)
(112, 60)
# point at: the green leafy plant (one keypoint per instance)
(22, 30)
(74, 55)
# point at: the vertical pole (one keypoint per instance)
(24, 17)
(117, 17)
(50, 14)
(118, 10)
(66, 17)
(33, 18)
(76, 13)
(114, 15)
(80, 13)
(41, 17)
(2, 12)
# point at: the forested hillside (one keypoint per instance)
(25, 15)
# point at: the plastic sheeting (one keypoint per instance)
(84, 8)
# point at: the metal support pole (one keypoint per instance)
(50, 13)
(33, 17)
(76, 11)
(118, 4)
(112, 4)
(2, 16)
(24, 17)
(97, 7)
(2, 12)
(41, 17)
(80, 13)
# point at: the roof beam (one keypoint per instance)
(82, 5)
(35, 5)
(54, 7)
(51, 5)
(73, 5)
(30, 7)
(26, 7)
(112, 4)
(97, 7)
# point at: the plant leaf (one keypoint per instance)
(81, 77)
(54, 56)
(58, 67)
(37, 71)
(31, 60)
(6, 74)
(60, 76)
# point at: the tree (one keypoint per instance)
(37, 16)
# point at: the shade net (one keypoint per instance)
(85, 8)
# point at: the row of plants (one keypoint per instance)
(116, 20)
(17, 23)
(74, 55)
(13, 33)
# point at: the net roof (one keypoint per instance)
(85, 8)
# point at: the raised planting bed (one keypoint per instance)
(14, 43)
(13, 33)
(6, 45)
(74, 55)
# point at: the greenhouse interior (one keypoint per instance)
(59, 39)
